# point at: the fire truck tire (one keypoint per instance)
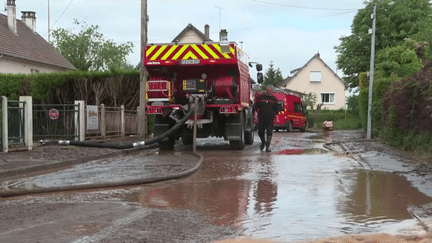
(249, 137)
(239, 144)
(303, 129)
(288, 126)
(249, 131)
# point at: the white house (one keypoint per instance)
(22, 50)
(318, 78)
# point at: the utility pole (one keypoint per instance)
(371, 75)
(49, 28)
(142, 118)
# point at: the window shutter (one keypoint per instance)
(315, 76)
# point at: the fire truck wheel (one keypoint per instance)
(249, 137)
(239, 144)
(288, 126)
(249, 132)
(303, 129)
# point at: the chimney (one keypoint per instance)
(11, 14)
(207, 31)
(224, 44)
(29, 18)
(223, 35)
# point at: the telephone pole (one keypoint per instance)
(142, 118)
(49, 28)
(371, 75)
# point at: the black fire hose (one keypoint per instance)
(129, 145)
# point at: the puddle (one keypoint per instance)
(301, 151)
(382, 195)
(289, 198)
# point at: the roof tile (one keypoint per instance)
(29, 45)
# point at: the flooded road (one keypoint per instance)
(302, 190)
(297, 192)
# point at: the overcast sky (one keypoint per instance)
(286, 32)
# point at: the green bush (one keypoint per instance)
(363, 101)
(353, 105)
(13, 85)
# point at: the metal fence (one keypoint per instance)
(55, 121)
(62, 121)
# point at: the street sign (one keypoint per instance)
(92, 117)
(53, 114)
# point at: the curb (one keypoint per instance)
(21, 192)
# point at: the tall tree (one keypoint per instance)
(401, 60)
(396, 20)
(89, 50)
(272, 76)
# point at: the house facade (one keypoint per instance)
(22, 50)
(318, 78)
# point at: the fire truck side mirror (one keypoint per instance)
(259, 67)
(260, 78)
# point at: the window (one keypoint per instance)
(297, 107)
(328, 98)
(315, 76)
(33, 71)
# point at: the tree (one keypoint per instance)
(401, 60)
(272, 76)
(89, 50)
(309, 101)
(396, 21)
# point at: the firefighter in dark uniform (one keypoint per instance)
(267, 108)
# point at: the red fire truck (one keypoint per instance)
(215, 73)
(292, 114)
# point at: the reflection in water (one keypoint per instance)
(382, 195)
(288, 198)
(214, 191)
(301, 151)
(265, 192)
(265, 195)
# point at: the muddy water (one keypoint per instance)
(293, 195)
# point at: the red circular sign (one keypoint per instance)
(53, 114)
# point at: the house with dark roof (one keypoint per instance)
(318, 78)
(22, 50)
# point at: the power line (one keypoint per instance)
(294, 6)
(62, 13)
(59, 17)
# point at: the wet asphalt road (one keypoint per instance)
(298, 191)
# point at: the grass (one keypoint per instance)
(341, 120)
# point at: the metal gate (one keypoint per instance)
(55, 121)
(16, 122)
